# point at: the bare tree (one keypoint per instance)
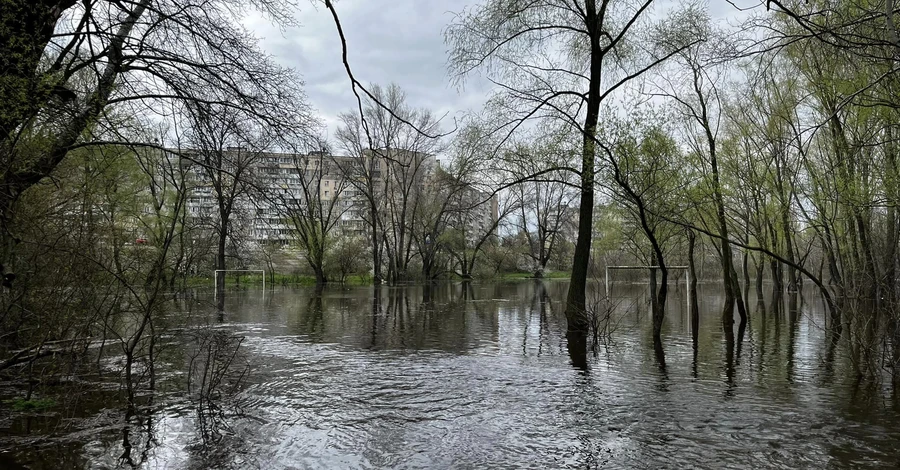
(454, 218)
(314, 204)
(475, 229)
(545, 204)
(474, 209)
(434, 208)
(227, 147)
(392, 159)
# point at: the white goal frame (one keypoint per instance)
(217, 271)
(687, 279)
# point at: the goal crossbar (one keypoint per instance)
(217, 271)
(687, 280)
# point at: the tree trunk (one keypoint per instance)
(871, 284)
(739, 300)
(7, 242)
(789, 248)
(220, 266)
(745, 266)
(760, 267)
(376, 249)
(692, 289)
(319, 272)
(889, 282)
(652, 291)
(428, 265)
(575, 299)
(466, 269)
(659, 304)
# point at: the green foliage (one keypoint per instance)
(346, 257)
(528, 275)
(644, 171)
(608, 229)
(34, 404)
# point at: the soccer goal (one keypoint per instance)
(224, 272)
(687, 278)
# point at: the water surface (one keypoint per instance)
(478, 376)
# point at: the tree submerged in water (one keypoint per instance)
(616, 133)
(94, 229)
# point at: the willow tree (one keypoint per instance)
(844, 56)
(764, 148)
(642, 161)
(558, 60)
(694, 88)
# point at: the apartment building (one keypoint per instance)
(276, 183)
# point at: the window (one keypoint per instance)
(326, 183)
(326, 193)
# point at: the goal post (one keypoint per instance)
(687, 279)
(225, 271)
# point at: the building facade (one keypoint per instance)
(332, 186)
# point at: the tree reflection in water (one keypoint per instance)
(216, 373)
(467, 373)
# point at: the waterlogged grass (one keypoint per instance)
(35, 404)
(253, 280)
(352, 280)
(361, 280)
(529, 275)
(277, 280)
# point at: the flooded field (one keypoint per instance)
(467, 376)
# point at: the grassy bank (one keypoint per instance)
(528, 275)
(354, 280)
(277, 279)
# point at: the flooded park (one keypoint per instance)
(469, 375)
(467, 234)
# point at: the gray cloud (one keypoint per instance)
(389, 41)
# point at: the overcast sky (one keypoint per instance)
(397, 41)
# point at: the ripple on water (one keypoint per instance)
(488, 384)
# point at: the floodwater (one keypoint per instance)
(472, 376)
